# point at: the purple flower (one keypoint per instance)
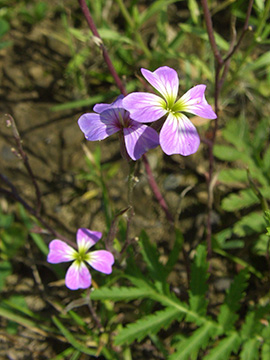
(178, 135)
(78, 275)
(111, 118)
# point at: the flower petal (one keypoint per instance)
(97, 127)
(59, 252)
(179, 136)
(194, 102)
(165, 80)
(78, 276)
(87, 238)
(99, 108)
(139, 139)
(101, 260)
(144, 107)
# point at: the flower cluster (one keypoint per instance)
(78, 275)
(126, 115)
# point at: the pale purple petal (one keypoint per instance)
(144, 107)
(179, 136)
(114, 116)
(87, 238)
(78, 276)
(59, 252)
(165, 80)
(139, 139)
(101, 260)
(99, 108)
(194, 102)
(97, 127)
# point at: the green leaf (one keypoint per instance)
(198, 285)
(119, 293)
(77, 104)
(150, 324)
(224, 348)
(194, 11)
(261, 245)
(37, 327)
(233, 176)
(260, 4)
(250, 224)
(243, 199)
(258, 63)
(12, 239)
(229, 153)
(197, 340)
(39, 241)
(261, 135)
(202, 34)
(252, 325)
(5, 220)
(221, 237)
(18, 303)
(237, 133)
(71, 339)
(174, 254)
(109, 34)
(265, 351)
(266, 159)
(239, 261)
(228, 310)
(156, 6)
(5, 271)
(151, 256)
(250, 350)
(4, 27)
(65, 354)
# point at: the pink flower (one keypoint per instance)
(112, 118)
(78, 275)
(178, 135)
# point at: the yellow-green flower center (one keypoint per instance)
(81, 256)
(173, 107)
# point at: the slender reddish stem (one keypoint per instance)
(121, 87)
(221, 63)
(106, 56)
(156, 190)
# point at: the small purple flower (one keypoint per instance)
(178, 135)
(111, 118)
(78, 275)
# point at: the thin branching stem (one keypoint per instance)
(13, 194)
(92, 310)
(21, 153)
(210, 31)
(156, 190)
(222, 68)
(245, 29)
(106, 56)
(151, 179)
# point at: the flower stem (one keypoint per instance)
(156, 190)
(221, 63)
(131, 182)
(21, 153)
(121, 87)
(107, 59)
